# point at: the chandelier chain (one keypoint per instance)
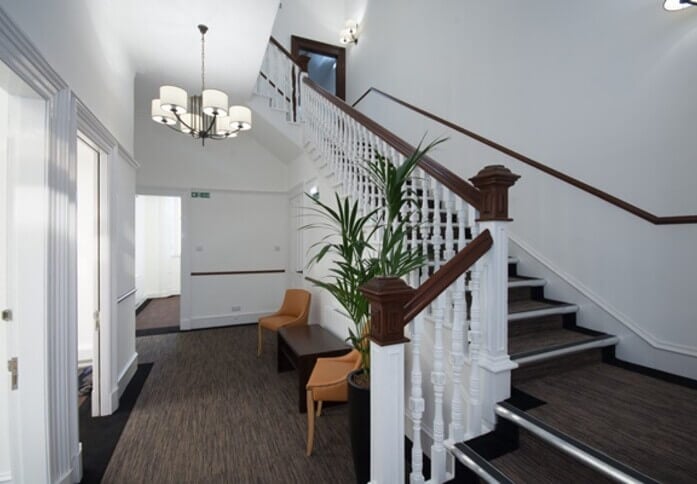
(203, 61)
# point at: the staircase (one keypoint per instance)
(503, 384)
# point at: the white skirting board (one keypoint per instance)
(5, 478)
(232, 319)
(127, 373)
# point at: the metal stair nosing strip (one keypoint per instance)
(536, 313)
(477, 464)
(527, 283)
(590, 456)
(549, 352)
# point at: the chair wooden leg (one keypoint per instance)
(259, 341)
(319, 408)
(310, 422)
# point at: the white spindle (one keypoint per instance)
(416, 402)
(457, 355)
(474, 409)
(438, 382)
(436, 238)
(449, 251)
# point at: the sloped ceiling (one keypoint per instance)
(163, 41)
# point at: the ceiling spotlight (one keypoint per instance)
(673, 5)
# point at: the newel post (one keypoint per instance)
(387, 297)
(492, 339)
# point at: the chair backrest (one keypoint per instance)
(296, 302)
(356, 357)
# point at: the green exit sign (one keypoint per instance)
(200, 194)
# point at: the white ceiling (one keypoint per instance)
(163, 42)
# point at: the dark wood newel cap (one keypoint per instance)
(493, 182)
(303, 61)
(387, 297)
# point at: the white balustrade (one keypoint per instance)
(442, 224)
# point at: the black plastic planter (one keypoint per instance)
(359, 420)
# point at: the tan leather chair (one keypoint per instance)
(328, 383)
(294, 312)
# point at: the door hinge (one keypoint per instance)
(12, 367)
(96, 320)
(7, 315)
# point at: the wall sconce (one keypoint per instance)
(350, 33)
(672, 5)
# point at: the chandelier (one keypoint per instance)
(202, 116)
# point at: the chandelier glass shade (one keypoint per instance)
(207, 115)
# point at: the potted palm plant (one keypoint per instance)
(363, 247)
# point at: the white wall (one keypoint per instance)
(77, 38)
(320, 21)
(533, 78)
(235, 231)
(158, 247)
(551, 80)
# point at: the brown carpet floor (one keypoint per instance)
(212, 412)
(161, 312)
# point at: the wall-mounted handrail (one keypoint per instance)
(622, 204)
(446, 177)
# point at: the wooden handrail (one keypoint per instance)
(285, 52)
(446, 177)
(622, 204)
(447, 274)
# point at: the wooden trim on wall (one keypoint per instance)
(622, 204)
(299, 43)
(238, 273)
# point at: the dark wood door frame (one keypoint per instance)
(299, 43)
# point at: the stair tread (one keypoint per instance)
(525, 305)
(551, 338)
(535, 461)
(634, 418)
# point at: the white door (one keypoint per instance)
(88, 262)
(23, 232)
(5, 303)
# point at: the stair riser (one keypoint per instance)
(521, 293)
(557, 365)
(528, 326)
